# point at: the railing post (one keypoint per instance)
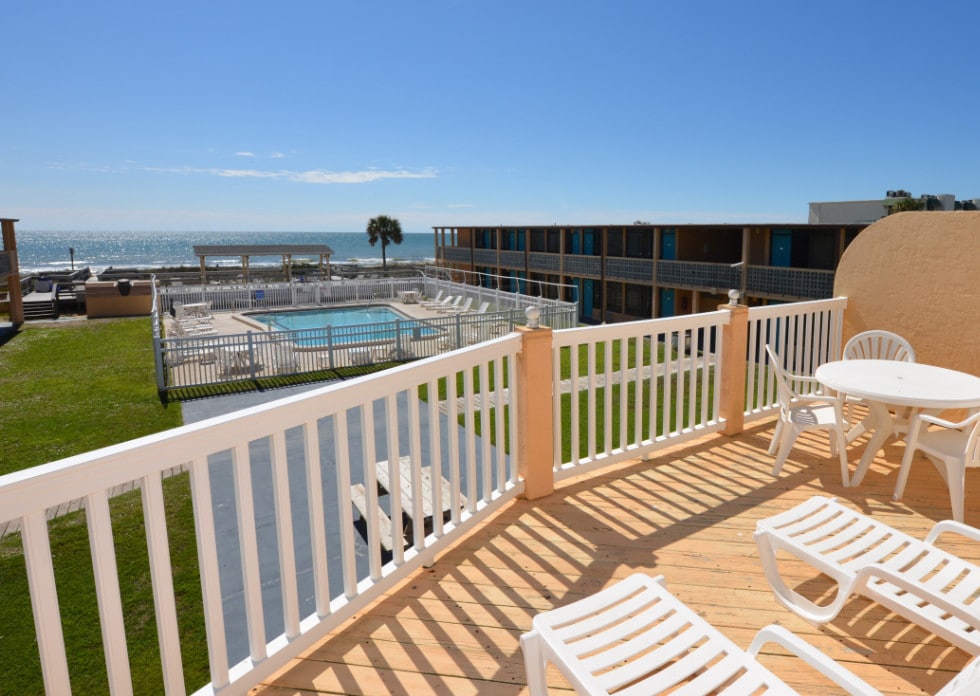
(251, 355)
(734, 342)
(535, 445)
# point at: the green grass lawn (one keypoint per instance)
(75, 387)
(68, 389)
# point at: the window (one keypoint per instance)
(638, 302)
(639, 243)
(614, 242)
(538, 240)
(614, 301)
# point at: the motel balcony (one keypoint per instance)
(535, 469)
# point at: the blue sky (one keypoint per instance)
(317, 115)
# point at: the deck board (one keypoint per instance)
(687, 513)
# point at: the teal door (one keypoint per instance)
(587, 298)
(588, 243)
(668, 247)
(666, 302)
(781, 249)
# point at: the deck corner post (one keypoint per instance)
(535, 444)
(734, 340)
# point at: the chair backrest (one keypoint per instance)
(879, 345)
(966, 683)
(783, 387)
(483, 308)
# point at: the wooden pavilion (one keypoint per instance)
(247, 251)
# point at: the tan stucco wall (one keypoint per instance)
(918, 274)
(103, 299)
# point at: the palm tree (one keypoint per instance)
(386, 229)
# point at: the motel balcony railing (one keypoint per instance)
(282, 555)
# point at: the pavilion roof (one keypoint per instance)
(260, 249)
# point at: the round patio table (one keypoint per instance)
(884, 383)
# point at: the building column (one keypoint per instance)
(15, 298)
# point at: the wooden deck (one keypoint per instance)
(689, 514)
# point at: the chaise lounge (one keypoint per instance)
(913, 578)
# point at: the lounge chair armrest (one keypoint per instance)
(875, 570)
(813, 657)
(963, 530)
(935, 420)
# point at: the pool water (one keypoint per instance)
(369, 323)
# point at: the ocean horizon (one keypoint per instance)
(41, 251)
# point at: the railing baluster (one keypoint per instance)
(44, 603)
(486, 431)
(318, 532)
(248, 549)
(207, 560)
(284, 528)
(107, 592)
(161, 575)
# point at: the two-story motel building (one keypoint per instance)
(623, 272)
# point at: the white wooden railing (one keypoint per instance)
(803, 334)
(272, 485)
(670, 364)
(316, 447)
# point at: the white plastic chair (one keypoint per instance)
(952, 450)
(879, 345)
(637, 639)
(799, 413)
(913, 578)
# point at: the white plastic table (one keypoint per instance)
(884, 383)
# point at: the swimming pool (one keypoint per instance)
(344, 324)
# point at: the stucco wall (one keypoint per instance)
(918, 274)
(107, 299)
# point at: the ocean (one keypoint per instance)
(48, 250)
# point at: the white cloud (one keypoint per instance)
(245, 173)
(277, 155)
(244, 154)
(312, 176)
(319, 176)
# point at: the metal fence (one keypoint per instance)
(191, 361)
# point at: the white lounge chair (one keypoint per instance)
(446, 301)
(451, 305)
(637, 639)
(913, 578)
(284, 360)
(879, 345)
(434, 301)
(951, 449)
(463, 309)
(801, 412)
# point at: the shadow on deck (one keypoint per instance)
(688, 513)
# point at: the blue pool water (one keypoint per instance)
(347, 324)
